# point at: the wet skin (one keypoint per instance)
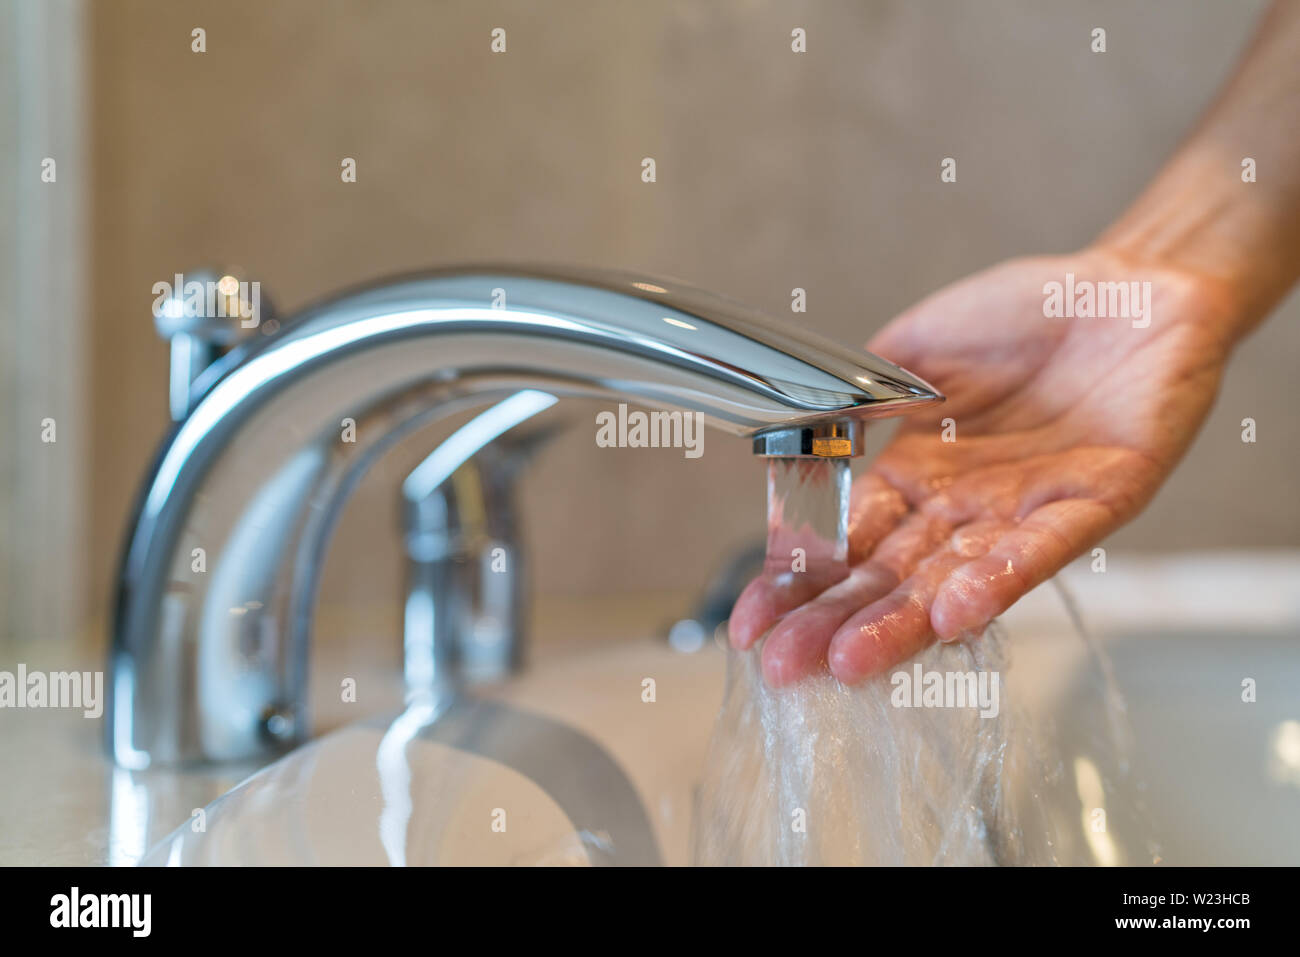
(1064, 430)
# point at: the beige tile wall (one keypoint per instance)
(43, 259)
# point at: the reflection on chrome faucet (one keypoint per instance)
(465, 609)
(210, 658)
(408, 790)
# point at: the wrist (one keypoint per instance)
(1202, 246)
(1238, 241)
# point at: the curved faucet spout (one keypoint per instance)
(218, 578)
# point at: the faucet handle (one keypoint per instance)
(203, 315)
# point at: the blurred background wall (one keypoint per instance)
(775, 171)
(45, 325)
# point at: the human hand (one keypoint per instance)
(1064, 430)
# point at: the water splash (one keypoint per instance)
(820, 773)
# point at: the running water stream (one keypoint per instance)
(819, 773)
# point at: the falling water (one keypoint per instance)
(807, 523)
(819, 773)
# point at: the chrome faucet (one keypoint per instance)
(223, 555)
(466, 608)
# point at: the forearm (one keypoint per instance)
(1200, 216)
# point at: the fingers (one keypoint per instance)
(1027, 555)
(870, 621)
(982, 570)
(894, 627)
(968, 551)
(875, 510)
(769, 597)
(797, 645)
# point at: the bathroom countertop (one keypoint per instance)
(64, 802)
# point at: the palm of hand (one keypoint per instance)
(1061, 430)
